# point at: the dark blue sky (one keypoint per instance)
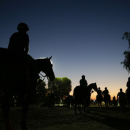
(83, 36)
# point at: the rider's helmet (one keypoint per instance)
(22, 26)
(105, 88)
(83, 76)
(129, 78)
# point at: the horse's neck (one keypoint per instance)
(38, 62)
(89, 88)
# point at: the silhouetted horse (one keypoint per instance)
(99, 99)
(107, 99)
(128, 99)
(114, 102)
(15, 80)
(83, 94)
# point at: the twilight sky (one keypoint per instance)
(84, 37)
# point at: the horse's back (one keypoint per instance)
(78, 91)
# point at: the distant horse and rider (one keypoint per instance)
(82, 94)
(121, 97)
(114, 102)
(19, 73)
(124, 98)
(103, 96)
(99, 98)
(107, 98)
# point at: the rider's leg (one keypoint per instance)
(32, 66)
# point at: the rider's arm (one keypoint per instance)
(26, 47)
(26, 43)
(86, 82)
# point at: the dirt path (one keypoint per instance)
(62, 118)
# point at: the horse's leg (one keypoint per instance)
(100, 104)
(106, 103)
(6, 108)
(84, 105)
(79, 105)
(75, 105)
(24, 109)
(121, 107)
(88, 105)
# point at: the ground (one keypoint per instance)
(63, 118)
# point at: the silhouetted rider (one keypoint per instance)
(83, 82)
(122, 99)
(19, 43)
(99, 91)
(105, 92)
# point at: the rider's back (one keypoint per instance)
(99, 92)
(121, 96)
(17, 42)
(83, 83)
(105, 92)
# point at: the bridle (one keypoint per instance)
(43, 76)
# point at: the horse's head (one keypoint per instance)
(46, 66)
(94, 86)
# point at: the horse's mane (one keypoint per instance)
(91, 84)
(43, 58)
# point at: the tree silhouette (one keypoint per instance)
(126, 62)
(60, 86)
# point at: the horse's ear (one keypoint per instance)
(50, 57)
